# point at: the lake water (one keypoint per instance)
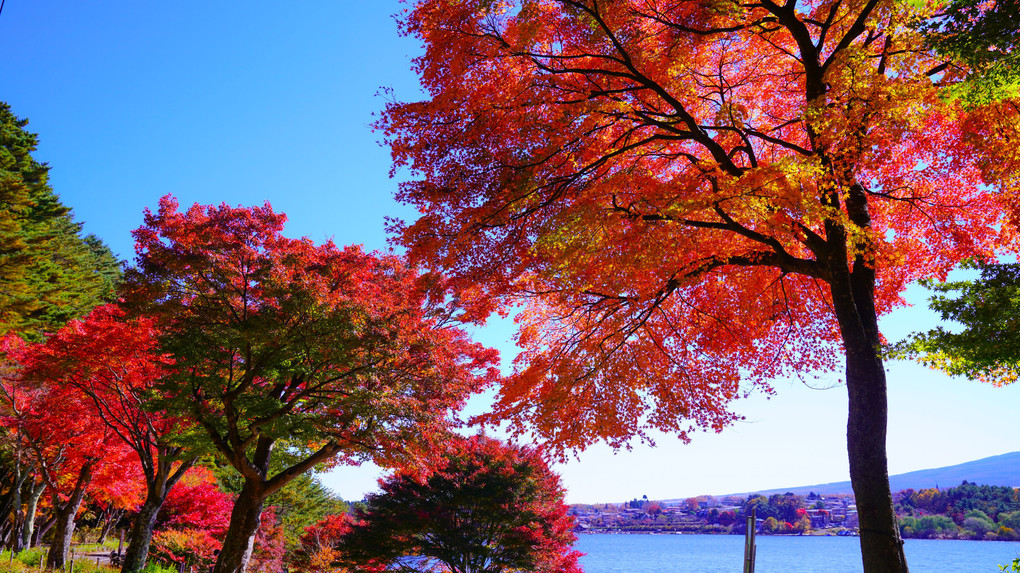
(778, 554)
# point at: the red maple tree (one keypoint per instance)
(486, 507)
(295, 354)
(74, 450)
(113, 364)
(694, 198)
(197, 502)
(318, 548)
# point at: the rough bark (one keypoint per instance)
(65, 514)
(853, 297)
(141, 534)
(244, 525)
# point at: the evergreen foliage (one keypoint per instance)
(49, 272)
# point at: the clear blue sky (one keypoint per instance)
(246, 102)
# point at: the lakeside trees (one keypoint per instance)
(691, 197)
(314, 355)
(485, 508)
(297, 352)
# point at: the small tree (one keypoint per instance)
(317, 549)
(111, 365)
(488, 508)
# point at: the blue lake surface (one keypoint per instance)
(778, 554)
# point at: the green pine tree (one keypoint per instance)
(49, 272)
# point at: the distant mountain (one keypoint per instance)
(996, 470)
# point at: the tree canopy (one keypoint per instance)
(691, 199)
(300, 353)
(487, 508)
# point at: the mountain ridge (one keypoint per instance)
(1003, 470)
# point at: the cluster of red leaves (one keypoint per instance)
(333, 337)
(666, 186)
(57, 420)
(196, 502)
(317, 551)
(270, 546)
(192, 547)
(485, 504)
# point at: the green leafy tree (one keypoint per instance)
(487, 508)
(985, 35)
(786, 506)
(49, 272)
(987, 344)
(1010, 519)
(979, 522)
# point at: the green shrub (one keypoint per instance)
(157, 568)
(31, 557)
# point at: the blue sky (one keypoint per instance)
(248, 102)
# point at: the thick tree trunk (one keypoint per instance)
(244, 525)
(161, 475)
(60, 549)
(141, 534)
(65, 514)
(881, 546)
(853, 297)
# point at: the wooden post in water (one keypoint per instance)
(749, 546)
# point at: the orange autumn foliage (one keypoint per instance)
(692, 198)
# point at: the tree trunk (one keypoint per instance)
(60, 549)
(141, 534)
(881, 546)
(244, 524)
(161, 475)
(30, 509)
(853, 297)
(109, 519)
(65, 514)
(43, 528)
(19, 481)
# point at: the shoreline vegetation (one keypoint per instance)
(968, 511)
